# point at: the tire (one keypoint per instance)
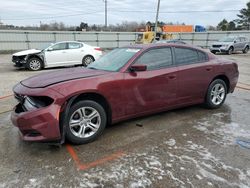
(87, 60)
(216, 94)
(81, 129)
(34, 64)
(245, 50)
(230, 50)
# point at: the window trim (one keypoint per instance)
(147, 50)
(67, 46)
(199, 61)
(68, 43)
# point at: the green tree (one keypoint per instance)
(231, 26)
(244, 17)
(223, 25)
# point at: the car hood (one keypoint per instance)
(54, 77)
(27, 52)
(222, 43)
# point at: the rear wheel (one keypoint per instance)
(216, 94)
(230, 50)
(245, 50)
(34, 64)
(87, 60)
(86, 121)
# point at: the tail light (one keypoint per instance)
(98, 49)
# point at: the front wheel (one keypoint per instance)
(216, 94)
(230, 50)
(245, 50)
(34, 64)
(86, 121)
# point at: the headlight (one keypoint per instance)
(32, 103)
(29, 104)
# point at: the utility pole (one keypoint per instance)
(106, 15)
(156, 19)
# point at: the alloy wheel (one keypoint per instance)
(35, 64)
(218, 94)
(88, 60)
(85, 122)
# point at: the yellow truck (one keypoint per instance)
(148, 35)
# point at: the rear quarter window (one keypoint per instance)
(202, 56)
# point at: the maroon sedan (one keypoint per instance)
(128, 82)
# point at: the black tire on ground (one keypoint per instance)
(87, 60)
(80, 116)
(230, 50)
(216, 94)
(246, 49)
(34, 64)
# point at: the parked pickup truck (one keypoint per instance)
(230, 45)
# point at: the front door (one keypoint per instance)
(56, 55)
(155, 88)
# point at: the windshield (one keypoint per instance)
(114, 60)
(45, 46)
(227, 39)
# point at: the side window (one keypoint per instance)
(60, 46)
(237, 40)
(156, 58)
(185, 56)
(243, 39)
(74, 45)
(202, 56)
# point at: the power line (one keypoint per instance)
(182, 11)
(113, 10)
(52, 17)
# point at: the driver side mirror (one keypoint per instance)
(138, 67)
(235, 41)
(49, 49)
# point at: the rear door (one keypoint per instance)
(154, 88)
(194, 74)
(75, 53)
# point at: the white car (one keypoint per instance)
(65, 53)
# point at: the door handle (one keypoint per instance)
(208, 68)
(172, 77)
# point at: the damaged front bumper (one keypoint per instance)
(37, 115)
(19, 61)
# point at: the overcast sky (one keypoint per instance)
(72, 12)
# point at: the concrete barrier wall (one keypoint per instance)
(13, 40)
(19, 40)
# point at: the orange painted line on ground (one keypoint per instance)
(6, 96)
(86, 166)
(73, 154)
(243, 88)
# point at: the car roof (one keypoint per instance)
(153, 45)
(68, 41)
